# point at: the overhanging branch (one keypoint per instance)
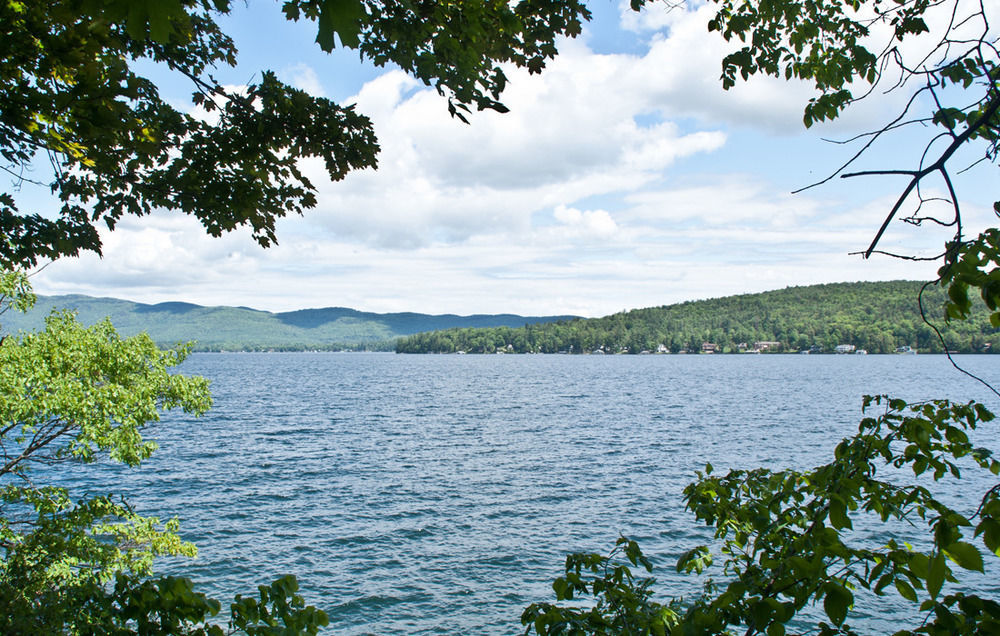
(939, 165)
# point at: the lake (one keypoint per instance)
(440, 494)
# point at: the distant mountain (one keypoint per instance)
(242, 328)
(878, 317)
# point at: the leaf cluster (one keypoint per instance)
(786, 540)
(73, 394)
(786, 534)
(167, 605)
(832, 44)
(70, 92)
(622, 602)
(69, 392)
(973, 266)
(457, 47)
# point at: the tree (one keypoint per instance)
(785, 535)
(70, 94)
(786, 545)
(952, 91)
(71, 98)
(75, 394)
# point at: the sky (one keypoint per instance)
(622, 177)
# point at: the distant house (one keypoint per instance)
(844, 348)
(764, 345)
(709, 347)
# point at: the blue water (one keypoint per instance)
(440, 494)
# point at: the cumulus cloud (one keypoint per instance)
(690, 61)
(304, 77)
(585, 261)
(580, 200)
(590, 125)
(160, 253)
(589, 222)
(572, 132)
(680, 72)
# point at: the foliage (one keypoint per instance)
(622, 602)
(877, 317)
(15, 292)
(850, 48)
(787, 542)
(70, 92)
(786, 536)
(966, 270)
(72, 394)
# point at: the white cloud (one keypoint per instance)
(655, 16)
(723, 200)
(572, 132)
(586, 261)
(684, 64)
(596, 223)
(157, 254)
(304, 77)
(574, 202)
(680, 72)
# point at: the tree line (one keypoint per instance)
(878, 317)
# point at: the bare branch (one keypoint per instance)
(904, 257)
(938, 166)
(874, 137)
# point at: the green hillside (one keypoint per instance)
(877, 317)
(242, 328)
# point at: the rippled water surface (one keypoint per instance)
(440, 494)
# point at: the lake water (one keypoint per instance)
(440, 494)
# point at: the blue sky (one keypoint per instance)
(623, 177)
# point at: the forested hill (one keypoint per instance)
(877, 317)
(244, 329)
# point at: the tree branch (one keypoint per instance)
(939, 165)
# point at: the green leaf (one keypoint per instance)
(966, 555)
(935, 574)
(837, 601)
(562, 590)
(838, 513)
(990, 529)
(342, 17)
(906, 590)
(695, 560)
